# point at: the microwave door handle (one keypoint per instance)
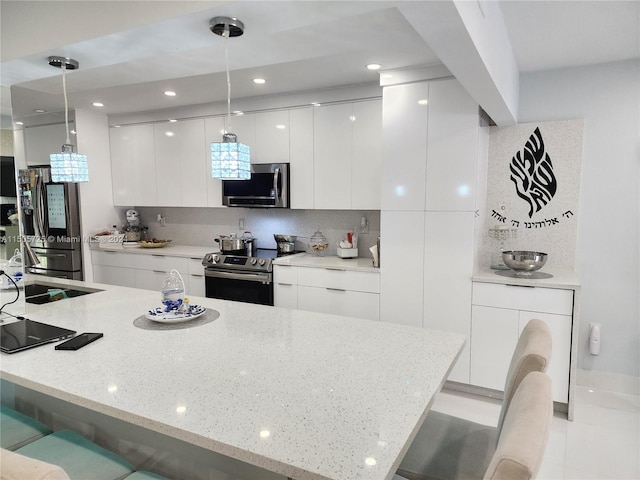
(276, 174)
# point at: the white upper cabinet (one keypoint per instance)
(452, 148)
(272, 137)
(332, 156)
(181, 163)
(214, 128)
(133, 168)
(243, 127)
(347, 155)
(301, 157)
(366, 155)
(405, 115)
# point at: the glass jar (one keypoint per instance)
(173, 291)
(318, 243)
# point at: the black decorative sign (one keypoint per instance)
(532, 174)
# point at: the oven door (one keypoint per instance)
(248, 287)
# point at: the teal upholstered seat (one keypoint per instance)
(145, 476)
(17, 429)
(80, 458)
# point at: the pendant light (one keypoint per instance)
(67, 166)
(230, 159)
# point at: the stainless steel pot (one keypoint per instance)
(228, 244)
(286, 243)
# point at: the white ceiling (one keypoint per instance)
(131, 51)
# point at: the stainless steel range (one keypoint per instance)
(240, 278)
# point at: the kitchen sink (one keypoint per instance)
(40, 294)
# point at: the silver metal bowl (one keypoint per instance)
(524, 262)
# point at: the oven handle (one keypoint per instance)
(250, 277)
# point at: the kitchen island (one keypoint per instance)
(302, 394)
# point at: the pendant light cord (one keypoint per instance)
(66, 106)
(226, 58)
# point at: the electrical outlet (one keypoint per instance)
(364, 225)
(241, 224)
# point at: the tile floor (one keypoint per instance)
(603, 441)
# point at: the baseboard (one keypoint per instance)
(613, 382)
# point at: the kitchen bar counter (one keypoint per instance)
(334, 262)
(302, 394)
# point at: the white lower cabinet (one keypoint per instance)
(328, 290)
(499, 313)
(146, 271)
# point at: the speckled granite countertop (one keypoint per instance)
(308, 260)
(564, 279)
(303, 394)
(191, 251)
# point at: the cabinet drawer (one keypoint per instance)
(339, 279)
(161, 263)
(108, 274)
(111, 259)
(534, 299)
(285, 274)
(194, 266)
(194, 285)
(150, 280)
(285, 295)
(339, 302)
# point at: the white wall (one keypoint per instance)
(96, 198)
(608, 98)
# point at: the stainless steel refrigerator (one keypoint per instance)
(50, 219)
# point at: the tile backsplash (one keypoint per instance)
(200, 226)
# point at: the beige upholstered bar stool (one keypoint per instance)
(524, 435)
(448, 447)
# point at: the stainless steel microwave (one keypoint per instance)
(268, 187)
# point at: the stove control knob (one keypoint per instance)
(262, 262)
(208, 258)
(253, 261)
(216, 259)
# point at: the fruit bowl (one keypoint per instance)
(153, 243)
(524, 262)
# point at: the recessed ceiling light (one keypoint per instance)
(73, 132)
(169, 134)
(98, 104)
(259, 81)
(281, 127)
(39, 110)
(170, 93)
(316, 104)
(423, 101)
(116, 126)
(19, 123)
(374, 66)
(172, 120)
(238, 112)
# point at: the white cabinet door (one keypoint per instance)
(111, 275)
(194, 285)
(133, 169)
(214, 128)
(301, 157)
(181, 163)
(452, 149)
(285, 295)
(272, 137)
(558, 370)
(150, 280)
(402, 267)
(494, 335)
(244, 127)
(404, 129)
(366, 155)
(332, 156)
(448, 267)
(339, 302)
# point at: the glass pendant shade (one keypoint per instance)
(69, 166)
(230, 160)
